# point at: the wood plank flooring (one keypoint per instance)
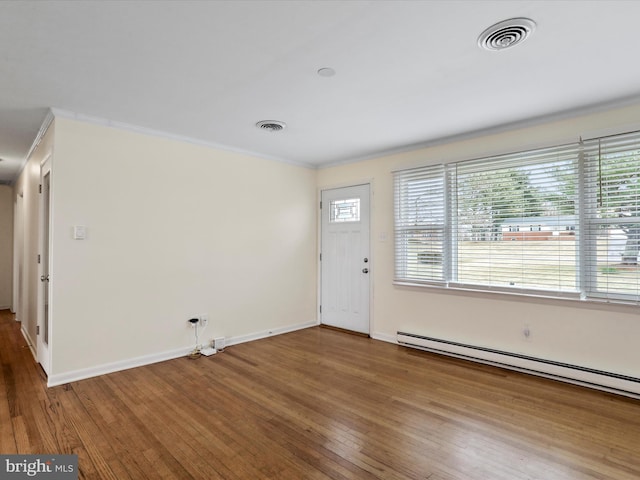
(317, 404)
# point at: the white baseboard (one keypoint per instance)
(30, 342)
(268, 333)
(384, 337)
(84, 373)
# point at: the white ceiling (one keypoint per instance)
(409, 73)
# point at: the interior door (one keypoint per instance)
(44, 324)
(345, 263)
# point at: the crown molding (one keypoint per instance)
(104, 122)
(46, 123)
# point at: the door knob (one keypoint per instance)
(44, 278)
(365, 270)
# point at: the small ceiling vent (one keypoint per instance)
(271, 125)
(506, 34)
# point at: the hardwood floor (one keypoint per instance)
(316, 404)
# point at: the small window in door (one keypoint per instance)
(345, 210)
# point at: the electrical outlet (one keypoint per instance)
(192, 322)
(204, 320)
(219, 343)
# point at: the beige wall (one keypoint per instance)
(600, 337)
(6, 246)
(174, 230)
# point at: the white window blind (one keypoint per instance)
(420, 224)
(561, 221)
(612, 216)
(516, 222)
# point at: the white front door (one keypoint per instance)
(345, 261)
(44, 327)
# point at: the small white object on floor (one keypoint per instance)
(208, 351)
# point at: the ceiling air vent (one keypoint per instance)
(271, 125)
(506, 34)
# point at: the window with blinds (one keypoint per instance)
(612, 216)
(420, 224)
(561, 221)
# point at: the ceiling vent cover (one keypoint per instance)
(271, 125)
(506, 34)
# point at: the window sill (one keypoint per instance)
(532, 296)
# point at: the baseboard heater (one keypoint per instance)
(611, 382)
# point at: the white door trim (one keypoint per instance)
(367, 253)
(44, 348)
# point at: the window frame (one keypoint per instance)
(587, 223)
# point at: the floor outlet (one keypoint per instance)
(208, 351)
(219, 343)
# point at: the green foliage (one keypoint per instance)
(561, 199)
(619, 185)
(609, 270)
(487, 199)
(619, 196)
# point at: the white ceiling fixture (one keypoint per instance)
(410, 73)
(326, 72)
(271, 125)
(506, 34)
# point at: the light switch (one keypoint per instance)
(79, 232)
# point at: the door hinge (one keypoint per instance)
(38, 330)
(320, 257)
(40, 188)
(38, 258)
(320, 308)
(320, 204)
